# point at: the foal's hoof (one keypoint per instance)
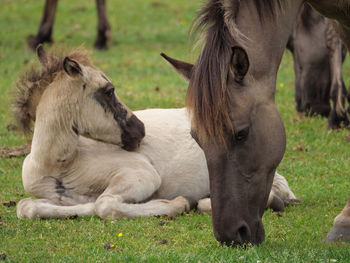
(277, 204)
(26, 208)
(109, 206)
(181, 203)
(204, 205)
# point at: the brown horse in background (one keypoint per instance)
(318, 56)
(45, 29)
(231, 99)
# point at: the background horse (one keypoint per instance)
(231, 99)
(46, 26)
(318, 55)
(74, 175)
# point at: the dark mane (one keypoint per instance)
(207, 98)
(31, 85)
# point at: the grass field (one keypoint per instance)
(316, 162)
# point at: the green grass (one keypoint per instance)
(141, 29)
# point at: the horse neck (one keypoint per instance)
(55, 137)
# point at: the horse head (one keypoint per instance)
(242, 160)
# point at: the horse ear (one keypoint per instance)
(41, 53)
(71, 67)
(239, 63)
(183, 68)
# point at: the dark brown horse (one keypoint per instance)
(231, 99)
(45, 29)
(318, 55)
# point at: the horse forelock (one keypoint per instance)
(31, 85)
(207, 96)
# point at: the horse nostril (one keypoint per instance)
(243, 233)
(238, 236)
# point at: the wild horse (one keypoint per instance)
(46, 26)
(318, 55)
(231, 100)
(87, 156)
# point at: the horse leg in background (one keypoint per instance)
(280, 196)
(341, 227)
(46, 25)
(337, 116)
(45, 208)
(130, 187)
(103, 29)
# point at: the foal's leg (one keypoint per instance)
(128, 189)
(57, 200)
(341, 228)
(45, 208)
(46, 25)
(103, 29)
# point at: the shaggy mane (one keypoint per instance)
(207, 98)
(31, 85)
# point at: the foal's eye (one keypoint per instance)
(109, 92)
(242, 134)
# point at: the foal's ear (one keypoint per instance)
(72, 68)
(239, 63)
(183, 68)
(41, 53)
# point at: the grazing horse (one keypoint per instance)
(77, 165)
(318, 57)
(45, 29)
(231, 101)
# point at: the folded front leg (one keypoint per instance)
(44, 208)
(128, 195)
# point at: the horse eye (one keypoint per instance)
(110, 92)
(242, 134)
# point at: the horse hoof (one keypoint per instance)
(338, 234)
(34, 41)
(26, 208)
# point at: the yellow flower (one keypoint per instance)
(182, 21)
(112, 245)
(281, 85)
(120, 234)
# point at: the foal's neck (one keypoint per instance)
(55, 136)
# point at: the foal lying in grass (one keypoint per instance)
(90, 154)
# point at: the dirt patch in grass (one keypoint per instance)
(15, 151)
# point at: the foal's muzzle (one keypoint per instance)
(133, 133)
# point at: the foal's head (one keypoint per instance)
(92, 106)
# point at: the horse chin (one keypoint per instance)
(131, 147)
